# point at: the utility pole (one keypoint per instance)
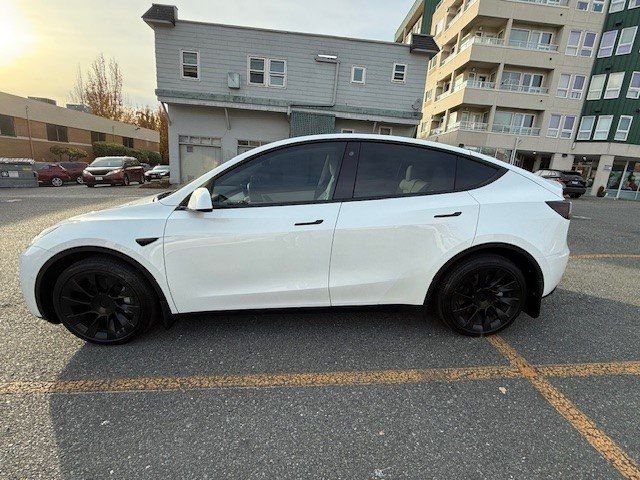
(33, 155)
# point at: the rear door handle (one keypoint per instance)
(445, 215)
(301, 224)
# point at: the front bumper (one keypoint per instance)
(31, 261)
(106, 180)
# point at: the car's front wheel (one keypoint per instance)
(104, 301)
(79, 180)
(57, 182)
(481, 295)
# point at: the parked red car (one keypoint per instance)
(51, 174)
(113, 171)
(75, 169)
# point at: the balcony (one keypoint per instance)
(462, 125)
(516, 130)
(478, 85)
(523, 89)
(540, 47)
(552, 3)
(481, 41)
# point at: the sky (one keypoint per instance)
(44, 42)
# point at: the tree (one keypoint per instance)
(59, 151)
(101, 90)
(163, 128)
(75, 154)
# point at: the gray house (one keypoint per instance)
(228, 89)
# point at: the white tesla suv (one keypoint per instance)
(322, 221)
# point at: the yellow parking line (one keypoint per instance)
(589, 369)
(583, 424)
(595, 256)
(260, 380)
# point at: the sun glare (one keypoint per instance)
(15, 35)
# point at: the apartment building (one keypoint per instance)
(511, 75)
(608, 138)
(30, 127)
(228, 89)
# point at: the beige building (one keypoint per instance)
(29, 127)
(511, 77)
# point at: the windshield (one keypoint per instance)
(161, 167)
(107, 162)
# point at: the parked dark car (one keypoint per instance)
(51, 174)
(146, 166)
(113, 171)
(158, 172)
(75, 169)
(572, 182)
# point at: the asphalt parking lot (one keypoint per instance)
(349, 394)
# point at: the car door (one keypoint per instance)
(135, 170)
(267, 242)
(404, 219)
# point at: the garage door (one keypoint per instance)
(198, 155)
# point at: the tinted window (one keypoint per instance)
(471, 174)
(386, 169)
(302, 173)
(108, 162)
(56, 133)
(98, 137)
(127, 142)
(6, 126)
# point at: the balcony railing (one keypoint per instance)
(480, 85)
(447, 59)
(436, 131)
(553, 3)
(543, 47)
(516, 130)
(443, 95)
(481, 41)
(523, 89)
(462, 125)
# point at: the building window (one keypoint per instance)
(399, 73)
(614, 85)
(385, 131)
(602, 127)
(563, 85)
(570, 86)
(246, 145)
(607, 42)
(277, 73)
(6, 126)
(347, 130)
(98, 137)
(598, 5)
(573, 42)
(427, 96)
(56, 133)
(582, 6)
(577, 86)
(586, 126)
(596, 86)
(190, 61)
(273, 76)
(627, 37)
(127, 142)
(624, 125)
(358, 74)
(617, 6)
(567, 126)
(634, 86)
(554, 126)
(588, 43)
(634, 4)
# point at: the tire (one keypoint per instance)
(126, 181)
(79, 180)
(90, 186)
(57, 182)
(481, 295)
(575, 195)
(142, 180)
(105, 301)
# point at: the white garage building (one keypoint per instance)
(228, 89)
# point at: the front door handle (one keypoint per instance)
(317, 222)
(454, 214)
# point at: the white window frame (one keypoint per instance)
(586, 49)
(574, 93)
(634, 4)
(182, 64)
(581, 130)
(573, 46)
(634, 92)
(560, 88)
(567, 133)
(613, 92)
(347, 130)
(553, 132)
(404, 73)
(384, 127)
(618, 5)
(585, 3)
(600, 4)
(266, 72)
(591, 93)
(364, 74)
(612, 46)
(601, 132)
(625, 133)
(282, 75)
(628, 44)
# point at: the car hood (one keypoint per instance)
(130, 209)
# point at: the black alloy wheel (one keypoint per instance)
(126, 180)
(482, 295)
(103, 301)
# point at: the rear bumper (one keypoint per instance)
(574, 190)
(554, 269)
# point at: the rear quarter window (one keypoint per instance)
(473, 174)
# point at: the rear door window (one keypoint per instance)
(394, 170)
(472, 174)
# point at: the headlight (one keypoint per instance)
(113, 172)
(43, 233)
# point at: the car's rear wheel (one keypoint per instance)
(79, 180)
(57, 182)
(104, 301)
(481, 295)
(126, 181)
(575, 195)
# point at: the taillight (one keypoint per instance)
(561, 207)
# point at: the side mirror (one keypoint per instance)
(200, 201)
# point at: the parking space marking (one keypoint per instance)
(595, 256)
(581, 422)
(589, 369)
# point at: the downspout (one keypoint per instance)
(33, 155)
(323, 59)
